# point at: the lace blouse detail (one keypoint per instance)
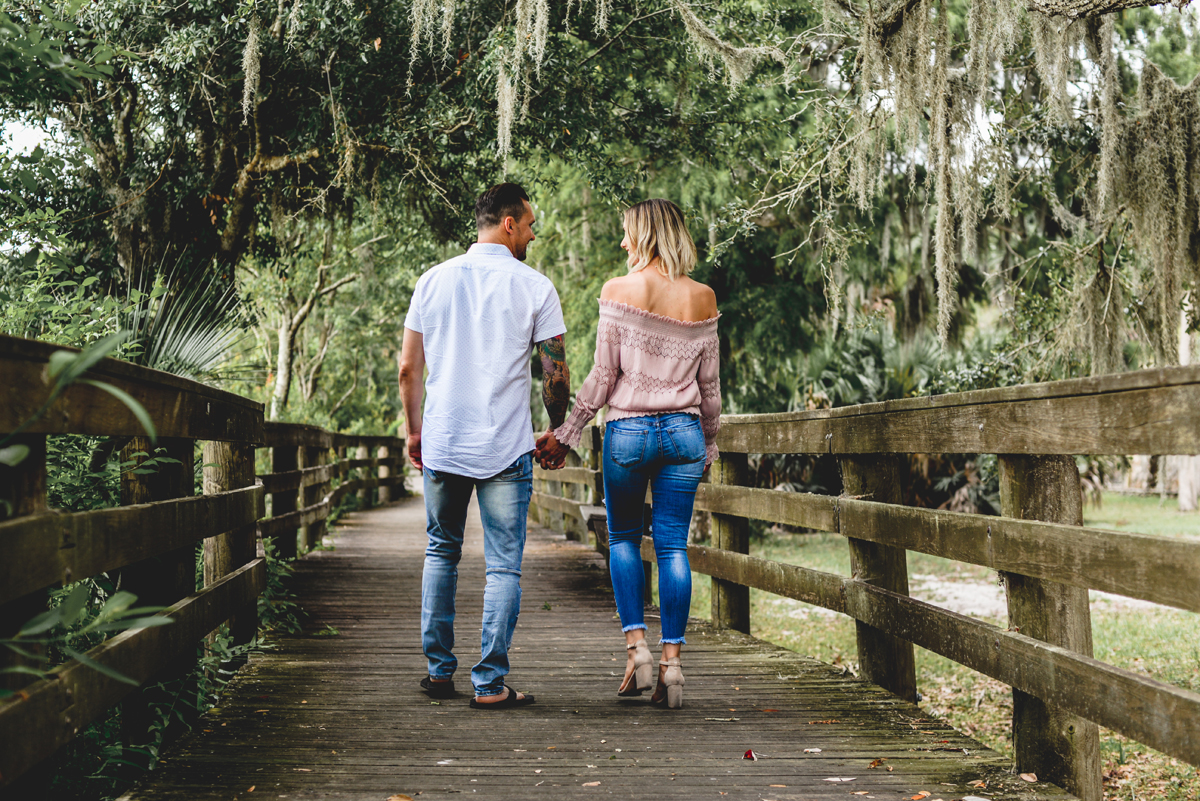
(648, 364)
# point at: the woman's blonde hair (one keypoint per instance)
(656, 228)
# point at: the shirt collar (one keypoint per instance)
(489, 249)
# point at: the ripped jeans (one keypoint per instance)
(503, 506)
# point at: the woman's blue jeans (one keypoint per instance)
(667, 452)
(503, 507)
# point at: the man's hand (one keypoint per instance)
(550, 453)
(414, 451)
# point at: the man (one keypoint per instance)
(472, 321)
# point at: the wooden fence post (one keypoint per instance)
(230, 466)
(883, 659)
(313, 493)
(385, 471)
(730, 602)
(366, 494)
(24, 486)
(162, 580)
(284, 459)
(1057, 746)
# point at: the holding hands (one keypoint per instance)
(549, 452)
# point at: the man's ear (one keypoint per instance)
(509, 224)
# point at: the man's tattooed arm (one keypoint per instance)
(556, 379)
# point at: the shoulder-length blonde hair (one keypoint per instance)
(656, 228)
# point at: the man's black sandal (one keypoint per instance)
(510, 701)
(438, 689)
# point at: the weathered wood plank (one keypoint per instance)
(1158, 569)
(1159, 715)
(295, 435)
(274, 526)
(49, 548)
(557, 504)
(1154, 419)
(567, 475)
(48, 714)
(789, 508)
(292, 480)
(178, 407)
(790, 581)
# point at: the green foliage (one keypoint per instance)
(68, 623)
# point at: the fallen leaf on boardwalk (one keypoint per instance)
(251, 790)
(860, 792)
(835, 779)
(445, 761)
(890, 768)
(877, 762)
(812, 750)
(539, 784)
(977, 783)
(591, 784)
(303, 770)
(591, 766)
(519, 750)
(538, 770)
(750, 755)
(1029, 777)
(723, 720)
(777, 785)
(768, 710)
(258, 711)
(973, 798)
(551, 747)
(920, 795)
(811, 722)
(399, 797)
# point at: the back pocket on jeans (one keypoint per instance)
(689, 443)
(626, 447)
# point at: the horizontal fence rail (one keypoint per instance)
(150, 541)
(1047, 559)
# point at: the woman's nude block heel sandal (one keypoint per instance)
(642, 664)
(673, 680)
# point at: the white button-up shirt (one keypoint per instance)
(479, 315)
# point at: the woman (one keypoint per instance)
(657, 369)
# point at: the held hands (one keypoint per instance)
(549, 452)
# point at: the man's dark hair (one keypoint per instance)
(502, 200)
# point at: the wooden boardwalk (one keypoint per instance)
(340, 715)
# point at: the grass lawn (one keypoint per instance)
(1153, 640)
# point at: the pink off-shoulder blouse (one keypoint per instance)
(648, 364)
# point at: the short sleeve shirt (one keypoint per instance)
(479, 315)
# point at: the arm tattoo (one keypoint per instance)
(556, 379)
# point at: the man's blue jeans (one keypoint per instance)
(503, 506)
(668, 452)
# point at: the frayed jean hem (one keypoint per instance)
(672, 641)
(633, 626)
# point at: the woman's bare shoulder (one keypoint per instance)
(704, 298)
(617, 289)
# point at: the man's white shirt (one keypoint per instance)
(479, 315)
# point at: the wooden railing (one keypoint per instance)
(149, 542)
(1046, 558)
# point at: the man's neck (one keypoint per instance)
(494, 238)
